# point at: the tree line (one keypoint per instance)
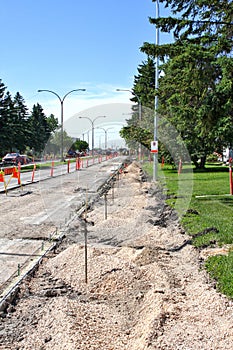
(195, 88)
(21, 130)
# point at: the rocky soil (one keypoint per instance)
(144, 286)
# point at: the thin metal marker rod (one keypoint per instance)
(105, 206)
(113, 191)
(85, 235)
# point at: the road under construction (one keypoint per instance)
(36, 214)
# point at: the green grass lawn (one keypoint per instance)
(207, 212)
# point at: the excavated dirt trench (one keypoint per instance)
(145, 286)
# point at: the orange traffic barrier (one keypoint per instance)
(19, 168)
(52, 167)
(2, 176)
(78, 163)
(16, 174)
(8, 171)
(2, 179)
(33, 172)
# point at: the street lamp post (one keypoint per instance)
(92, 128)
(87, 136)
(155, 163)
(105, 131)
(61, 99)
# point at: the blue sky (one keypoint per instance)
(62, 45)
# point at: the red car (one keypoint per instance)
(13, 159)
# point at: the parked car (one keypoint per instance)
(72, 154)
(12, 159)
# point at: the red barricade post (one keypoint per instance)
(2, 179)
(19, 169)
(16, 174)
(162, 163)
(52, 167)
(78, 163)
(2, 176)
(33, 172)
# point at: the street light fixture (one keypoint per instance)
(139, 101)
(61, 99)
(92, 128)
(105, 131)
(155, 163)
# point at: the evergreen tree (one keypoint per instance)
(200, 22)
(39, 129)
(6, 123)
(195, 92)
(144, 83)
(18, 129)
(52, 123)
(138, 131)
(3, 119)
(2, 94)
(20, 116)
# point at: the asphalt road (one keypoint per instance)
(32, 213)
(43, 173)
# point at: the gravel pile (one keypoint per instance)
(145, 287)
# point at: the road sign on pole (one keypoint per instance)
(154, 146)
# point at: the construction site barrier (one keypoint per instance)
(52, 168)
(33, 172)
(8, 171)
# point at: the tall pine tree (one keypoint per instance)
(39, 129)
(195, 92)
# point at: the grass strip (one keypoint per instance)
(208, 218)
